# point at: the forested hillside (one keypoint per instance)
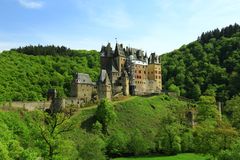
(208, 66)
(27, 73)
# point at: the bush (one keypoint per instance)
(137, 144)
(93, 149)
(105, 114)
(117, 144)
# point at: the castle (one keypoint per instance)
(124, 71)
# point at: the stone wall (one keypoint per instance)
(30, 106)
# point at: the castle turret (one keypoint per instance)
(119, 57)
(106, 56)
(82, 87)
(104, 86)
(125, 83)
(154, 70)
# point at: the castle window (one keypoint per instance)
(144, 72)
(139, 71)
(159, 72)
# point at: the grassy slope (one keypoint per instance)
(185, 156)
(142, 113)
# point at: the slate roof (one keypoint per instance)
(104, 77)
(83, 78)
(114, 69)
(119, 49)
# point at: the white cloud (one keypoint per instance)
(31, 4)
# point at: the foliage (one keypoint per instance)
(232, 109)
(105, 114)
(51, 128)
(97, 128)
(209, 65)
(117, 144)
(207, 109)
(231, 154)
(168, 138)
(28, 77)
(93, 149)
(45, 50)
(174, 88)
(137, 144)
(183, 156)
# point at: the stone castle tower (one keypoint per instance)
(130, 71)
(82, 87)
(104, 86)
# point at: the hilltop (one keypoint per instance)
(208, 66)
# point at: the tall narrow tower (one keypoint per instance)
(155, 70)
(125, 83)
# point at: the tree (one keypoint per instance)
(97, 128)
(93, 149)
(187, 141)
(205, 138)
(232, 109)
(117, 144)
(230, 154)
(105, 114)
(175, 89)
(52, 127)
(137, 144)
(196, 92)
(207, 109)
(168, 139)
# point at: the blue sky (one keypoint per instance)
(151, 25)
